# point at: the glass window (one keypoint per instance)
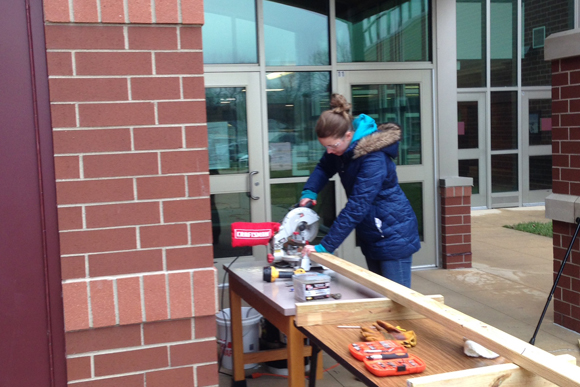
(503, 42)
(467, 127)
(540, 172)
(285, 196)
(226, 209)
(504, 120)
(383, 30)
(295, 101)
(227, 130)
(414, 192)
(470, 168)
(229, 32)
(296, 32)
(471, 43)
(540, 122)
(540, 19)
(400, 103)
(504, 173)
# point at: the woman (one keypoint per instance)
(362, 155)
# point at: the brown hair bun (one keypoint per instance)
(339, 104)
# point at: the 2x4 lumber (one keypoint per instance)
(506, 375)
(350, 311)
(517, 351)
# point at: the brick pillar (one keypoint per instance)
(563, 205)
(130, 145)
(455, 225)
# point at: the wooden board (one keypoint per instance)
(347, 311)
(506, 375)
(517, 351)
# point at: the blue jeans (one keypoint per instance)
(397, 270)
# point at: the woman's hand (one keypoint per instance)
(304, 202)
(306, 250)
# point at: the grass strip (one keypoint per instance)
(538, 228)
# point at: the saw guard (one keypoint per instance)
(299, 226)
(300, 217)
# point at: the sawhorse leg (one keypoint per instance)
(239, 378)
(315, 365)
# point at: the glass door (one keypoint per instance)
(236, 164)
(537, 149)
(471, 142)
(404, 97)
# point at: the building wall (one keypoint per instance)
(563, 206)
(130, 146)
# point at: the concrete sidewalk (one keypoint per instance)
(510, 281)
(507, 287)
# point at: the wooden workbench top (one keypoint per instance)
(440, 348)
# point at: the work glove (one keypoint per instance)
(371, 334)
(406, 338)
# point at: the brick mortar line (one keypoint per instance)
(97, 378)
(129, 50)
(115, 76)
(128, 23)
(141, 347)
(132, 177)
(128, 202)
(124, 127)
(188, 222)
(140, 275)
(116, 102)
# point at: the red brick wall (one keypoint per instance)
(130, 145)
(566, 181)
(456, 227)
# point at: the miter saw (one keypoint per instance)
(298, 228)
(285, 240)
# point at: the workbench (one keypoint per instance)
(275, 302)
(440, 346)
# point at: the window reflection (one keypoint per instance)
(504, 120)
(540, 121)
(504, 173)
(398, 103)
(383, 30)
(295, 100)
(471, 43)
(503, 42)
(226, 209)
(540, 172)
(540, 19)
(227, 130)
(296, 32)
(229, 32)
(470, 168)
(467, 126)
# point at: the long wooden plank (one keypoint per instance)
(506, 375)
(349, 311)
(517, 351)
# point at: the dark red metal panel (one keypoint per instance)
(31, 313)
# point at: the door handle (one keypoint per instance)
(251, 183)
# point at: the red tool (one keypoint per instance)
(393, 367)
(384, 347)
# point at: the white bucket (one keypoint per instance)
(250, 331)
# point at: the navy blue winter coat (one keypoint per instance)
(377, 207)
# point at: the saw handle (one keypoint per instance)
(306, 202)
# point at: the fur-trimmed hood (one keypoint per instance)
(383, 137)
